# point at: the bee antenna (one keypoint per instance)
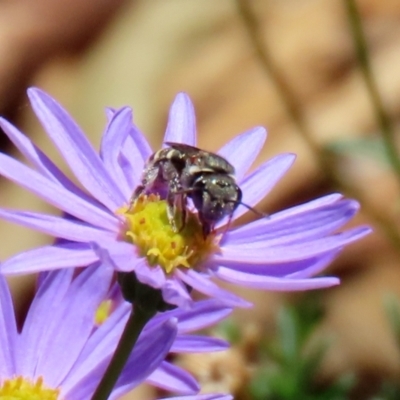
(259, 213)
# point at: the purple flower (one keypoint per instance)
(61, 352)
(282, 252)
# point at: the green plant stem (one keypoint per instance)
(381, 115)
(136, 322)
(325, 158)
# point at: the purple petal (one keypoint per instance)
(135, 153)
(274, 284)
(197, 344)
(200, 315)
(132, 175)
(77, 151)
(55, 194)
(278, 269)
(123, 255)
(44, 306)
(260, 182)
(242, 150)
(8, 332)
(315, 268)
(75, 314)
(111, 145)
(49, 258)
(57, 226)
(206, 286)
(172, 378)
(150, 350)
(210, 396)
(148, 354)
(98, 349)
(181, 127)
(310, 205)
(174, 292)
(152, 276)
(141, 143)
(259, 253)
(37, 158)
(294, 228)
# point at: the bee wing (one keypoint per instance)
(207, 159)
(185, 148)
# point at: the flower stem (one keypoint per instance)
(381, 115)
(135, 324)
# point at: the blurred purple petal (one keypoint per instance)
(40, 318)
(147, 355)
(198, 344)
(211, 396)
(8, 331)
(89, 288)
(172, 378)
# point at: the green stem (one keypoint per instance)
(381, 115)
(136, 322)
(253, 27)
(325, 158)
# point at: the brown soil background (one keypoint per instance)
(141, 53)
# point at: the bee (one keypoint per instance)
(179, 172)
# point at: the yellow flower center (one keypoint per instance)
(20, 388)
(103, 312)
(147, 227)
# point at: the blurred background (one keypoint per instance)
(140, 53)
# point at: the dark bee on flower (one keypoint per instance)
(179, 172)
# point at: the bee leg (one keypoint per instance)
(206, 226)
(207, 229)
(176, 211)
(183, 212)
(138, 191)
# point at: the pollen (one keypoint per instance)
(20, 388)
(148, 227)
(103, 312)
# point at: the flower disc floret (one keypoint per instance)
(147, 227)
(103, 311)
(20, 388)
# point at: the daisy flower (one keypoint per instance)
(66, 343)
(282, 252)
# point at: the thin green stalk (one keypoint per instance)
(289, 101)
(381, 115)
(253, 27)
(136, 322)
(325, 158)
